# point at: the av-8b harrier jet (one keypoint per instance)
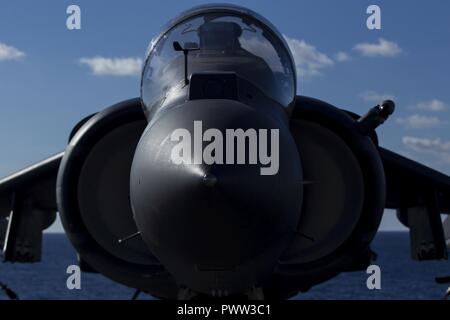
(220, 181)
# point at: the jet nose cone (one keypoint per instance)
(217, 213)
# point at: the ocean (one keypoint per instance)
(401, 278)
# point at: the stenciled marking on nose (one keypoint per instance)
(261, 148)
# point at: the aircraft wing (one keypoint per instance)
(27, 206)
(420, 195)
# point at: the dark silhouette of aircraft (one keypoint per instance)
(270, 194)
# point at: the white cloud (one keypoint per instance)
(375, 97)
(417, 121)
(436, 147)
(308, 60)
(342, 56)
(10, 53)
(101, 66)
(383, 48)
(425, 144)
(264, 49)
(432, 106)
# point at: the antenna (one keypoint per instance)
(177, 47)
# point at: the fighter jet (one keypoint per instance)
(219, 180)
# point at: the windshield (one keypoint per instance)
(224, 43)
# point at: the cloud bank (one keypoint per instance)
(434, 105)
(375, 97)
(309, 61)
(436, 147)
(382, 48)
(101, 66)
(10, 53)
(417, 121)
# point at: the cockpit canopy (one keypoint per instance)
(220, 39)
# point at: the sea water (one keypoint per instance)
(401, 278)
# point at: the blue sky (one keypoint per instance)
(45, 87)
